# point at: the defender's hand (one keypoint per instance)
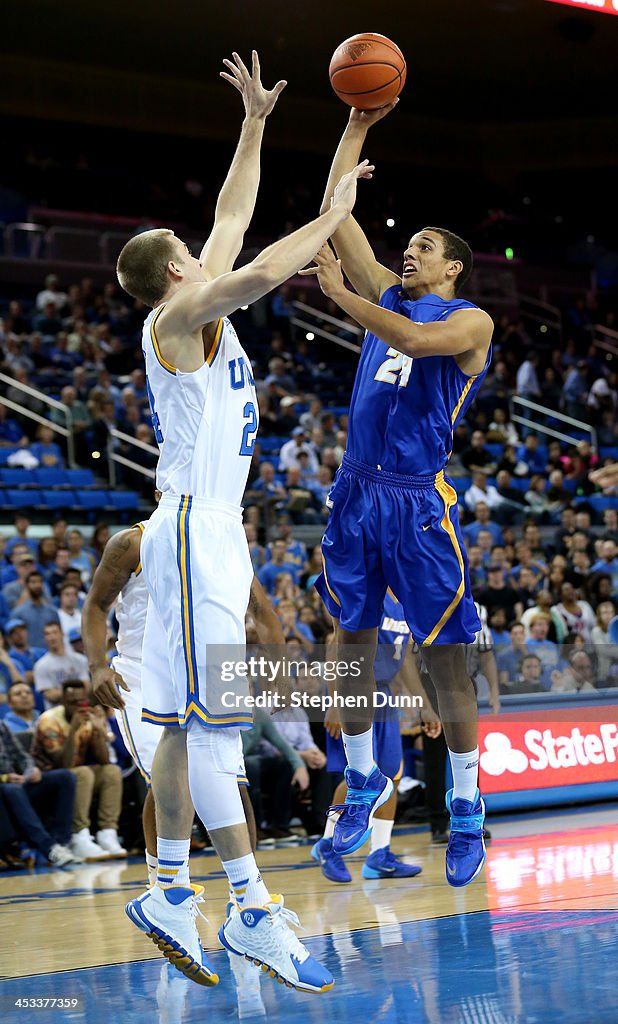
(105, 683)
(345, 189)
(332, 723)
(258, 101)
(430, 723)
(328, 270)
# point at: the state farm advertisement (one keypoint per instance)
(531, 752)
(601, 6)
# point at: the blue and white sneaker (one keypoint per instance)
(331, 863)
(384, 864)
(262, 935)
(168, 917)
(365, 794)
(465, 853)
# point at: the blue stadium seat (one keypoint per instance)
(495, 450)
(462, 484)
(570, 485)
(521, 483)
(123, 499)
(18, 477)
(5, 453)
(80, 478)
(600, 502)
(92, 499)
(609, 453)
(49, 477)
(58, 499)
(612, 629)
(270, 444)
(21, 499)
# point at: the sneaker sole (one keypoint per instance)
(368, 872)
(386, 793)
(271, 971)
(177, 955)
(460, 885)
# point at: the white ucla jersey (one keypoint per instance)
(131, 614)
(205, 422)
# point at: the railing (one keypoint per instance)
(53, 403)
(541, 428)
(606, 339)
(114, 458)
(305, 325)
(541, 313)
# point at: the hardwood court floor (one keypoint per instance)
(535, 939)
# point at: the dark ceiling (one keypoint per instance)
(482, 60)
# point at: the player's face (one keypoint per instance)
(424, 265)
(191, 267)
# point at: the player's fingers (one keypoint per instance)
(120, 681)
(233, 68)
(234, 81)
(241, 65)
(255, 64)
(308, 272)
(278, 88)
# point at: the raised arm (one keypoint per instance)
(369, 278)
(237, 197)
(120, 559)
(198, 304)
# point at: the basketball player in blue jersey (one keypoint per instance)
(194, 551)
(394, 660)
(393, 519)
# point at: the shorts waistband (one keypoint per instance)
(225, 508)
(383, 476)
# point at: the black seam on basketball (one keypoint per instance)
(377, 42)
(367, 92)
(369, 64)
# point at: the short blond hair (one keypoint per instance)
(142, 265)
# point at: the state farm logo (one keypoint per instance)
(356, 50)
(545, 750)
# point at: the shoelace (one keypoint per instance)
(357, 800)
(194, 910)
(460, 842)
(289, 940)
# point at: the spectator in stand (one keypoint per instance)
(295, 550)
(278, 564)
(476, 568)
(476, 458)
(46, 557)
(22, 525)
(22, 715)
(577, 615)
(527, 384)
(79, 557)
(601, 398)
(511, 463)
(501, 430)
(45, 450)
(509, 658)
(81, 422)
(608, 562)
(578, 675)
(57, 665)
(497, 626)
(274, 775)
(607, 431)
(313, 417)
(557, 494)
(100, 537)
(526, 588)
(529, 678)
(610, 524)
(36, 609)
(293, 627)
(278, 381)
(551, 388)
(11, 434)
(314, 568)
(34, 801)
(498, 594)
(74, 736)
(282, 310)
(290, 451)
(321, 488)
(538, 643)
(312, 808)
(57, 575)
(605, 651)
(265, 490)
(255, 550)
(20, 652)
(529, 453)
(9, 672)
(15, 592)
(69, 612)
(482, 521)
(575, 391)
(510, 495)
(544, 605)
(51, 293)
(481, 491)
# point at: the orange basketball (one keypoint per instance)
(367, 71)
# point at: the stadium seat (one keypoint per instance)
(462, 484)
(21, 499)
(18, 477)
(600, 502)
(92, 499)
(270, 444)
(123, 499)
(495, 450)
(612, 629)
(50, 477)
(5, 454)
(608, 453)
(80, 478)
(58, 499)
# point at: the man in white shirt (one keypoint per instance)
(69, 612)
(482, 491)
(527, 379)
(288, 456)
(59, 664)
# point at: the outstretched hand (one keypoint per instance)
(327, 270)
(367, 118)
(258, 101)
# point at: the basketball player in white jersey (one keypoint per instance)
(119, 578)
(195, 557)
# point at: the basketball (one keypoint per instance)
(367, 71)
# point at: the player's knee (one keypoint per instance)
(219, 747)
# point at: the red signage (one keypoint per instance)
(528, 752)
(602, 6)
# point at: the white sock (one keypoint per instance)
(381, 834)
(465, 768)
(329, 828)
(151, 864)
(172, 862)
(246, 881)
(359, 751)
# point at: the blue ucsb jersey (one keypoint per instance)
(403, 410)
(393, 637)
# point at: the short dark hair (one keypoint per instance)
(73, 684)
(142, 265)
(456, 248)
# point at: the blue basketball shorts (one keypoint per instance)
(387, 747)
(389, 530)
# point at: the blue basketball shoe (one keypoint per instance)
(365, 794)
(465, 853)
(331, 863)
(384, 864)
(168, 917)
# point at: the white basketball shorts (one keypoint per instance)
(198, 571)
(140, 737)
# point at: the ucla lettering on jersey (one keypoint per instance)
(403, 411)
(205, 422)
